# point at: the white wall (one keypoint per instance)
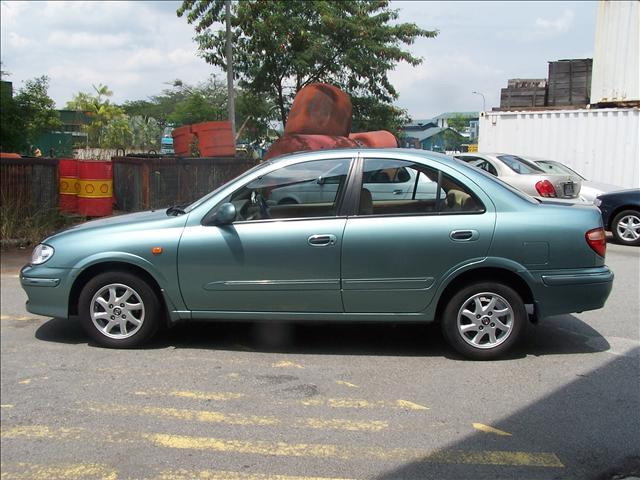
(601, 144)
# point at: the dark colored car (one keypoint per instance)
(621, 215)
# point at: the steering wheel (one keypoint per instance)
(259, 200)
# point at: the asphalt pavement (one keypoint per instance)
(230, 401)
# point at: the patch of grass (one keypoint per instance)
(23, 226)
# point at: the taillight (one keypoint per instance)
(545, 188)
(597, 240)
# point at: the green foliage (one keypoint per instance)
(452, 140)
(280, 47)
(27, 115)
(184, 104)
(371, 114)
(458, 122)
(101, 111)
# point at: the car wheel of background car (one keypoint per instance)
(119, 310)
(484, 320)
(626, 227)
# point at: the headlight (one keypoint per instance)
(597, 202)
(41, 254)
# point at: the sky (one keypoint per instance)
(138, 48)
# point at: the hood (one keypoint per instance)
(123, 223)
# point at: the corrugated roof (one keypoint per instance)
(453, 114)
(424, 134)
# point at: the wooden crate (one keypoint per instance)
(569, 82)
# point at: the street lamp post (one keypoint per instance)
(484, 102)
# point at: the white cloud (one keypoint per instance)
(18, 41)
(556, 25)
(87, 40)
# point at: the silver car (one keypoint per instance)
(525, 175)
(589, 190)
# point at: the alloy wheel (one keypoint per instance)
(628, 228)
(485, 320)
(117, 311)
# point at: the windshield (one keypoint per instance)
(519, 165)
(550, 166)
(201, 200)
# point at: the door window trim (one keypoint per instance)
(358, 183)
(340, 200)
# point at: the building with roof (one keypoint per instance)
(435, 134)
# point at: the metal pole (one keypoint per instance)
(229, 50)
(484, 103)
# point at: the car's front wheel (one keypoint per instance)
(119, 310)
(483, 320)
(626, 227)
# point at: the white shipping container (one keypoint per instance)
(600, 144)
(616, 58)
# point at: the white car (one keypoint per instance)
(525, 175)
(589, 190)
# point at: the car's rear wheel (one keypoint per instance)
(626, 227)
(484, 320)
(119, 310)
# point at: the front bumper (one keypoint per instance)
(568, 291)
(47, 289)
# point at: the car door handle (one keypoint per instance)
(464, 235)
(321, 240)
(398, 192)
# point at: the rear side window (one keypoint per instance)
(418, 189)
(519, 165)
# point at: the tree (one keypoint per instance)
(27, 115)
(280, 47)
(101, 111)
(458, 122)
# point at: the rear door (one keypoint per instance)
(396, 251)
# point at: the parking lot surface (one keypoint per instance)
(321, 402)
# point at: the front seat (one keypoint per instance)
(366, 203)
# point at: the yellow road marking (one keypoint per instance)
(218, 396)
(532, 459)
(339, 402)
(286, 364)
(30, 471)
(362, 403)
(40, 431)
(6, 405)
(283, 449)
(487, 429)
(26, 381)
(233, 375)
(20, 318)
(223, 475)
(346, 384)
(239, 419)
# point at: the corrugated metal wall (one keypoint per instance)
(602, 144)
(616, 59)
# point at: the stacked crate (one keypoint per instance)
(569, 82)
(523, 93)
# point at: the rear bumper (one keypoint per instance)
(569, 291)
(47, 289)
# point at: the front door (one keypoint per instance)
(277, 256)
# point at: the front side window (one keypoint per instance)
(424, 191)
(303, 190)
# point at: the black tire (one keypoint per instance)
(151, 313)
(483, 326)
(625, 214)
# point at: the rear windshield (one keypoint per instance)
(555, 167)
(519, 165)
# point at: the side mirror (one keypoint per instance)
(225, 215)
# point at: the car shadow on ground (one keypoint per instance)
(590, 426)
(564, 334)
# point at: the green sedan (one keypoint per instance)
(461, 248)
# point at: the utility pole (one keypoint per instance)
(230, 92)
